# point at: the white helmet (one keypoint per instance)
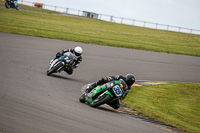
(78, 51)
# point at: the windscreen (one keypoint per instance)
(123, 83)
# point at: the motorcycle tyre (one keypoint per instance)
(82, 98)
(105, 99)
(49, 72)
(6, 5)
(17, 7)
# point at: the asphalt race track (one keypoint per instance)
(32, 102)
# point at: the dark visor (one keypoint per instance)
(77, 54)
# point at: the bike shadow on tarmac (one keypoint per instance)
(103, 108)
(67, 78)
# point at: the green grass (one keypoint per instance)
(96, 32)
(176, 104)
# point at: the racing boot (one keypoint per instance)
(68, 70)
(114, 104)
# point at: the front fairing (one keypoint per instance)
(68, 58)
(120, 88)
(116, 89)
(99, 90)
(53, 63)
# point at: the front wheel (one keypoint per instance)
(7, 5)
(53, 69)
(100, 100)
(82, 98)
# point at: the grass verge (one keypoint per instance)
(96, 32)
(176, 104)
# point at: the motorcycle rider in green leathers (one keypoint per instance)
(129, 79)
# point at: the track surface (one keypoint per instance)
(31, 102)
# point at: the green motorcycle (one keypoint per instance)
(104, 94)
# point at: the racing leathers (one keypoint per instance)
(115, 104)
(78, 60)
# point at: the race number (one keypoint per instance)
(117, 90)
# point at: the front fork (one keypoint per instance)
(61, 68)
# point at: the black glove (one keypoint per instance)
(59, 54)
(109, 78)
(90, 87)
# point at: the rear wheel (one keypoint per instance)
(100, 100)
(17, 7)
(53, 69)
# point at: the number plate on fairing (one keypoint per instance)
(117, 90)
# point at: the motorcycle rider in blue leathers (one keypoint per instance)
(77, 51)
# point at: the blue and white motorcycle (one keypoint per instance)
(12, 4)
(63, 62)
